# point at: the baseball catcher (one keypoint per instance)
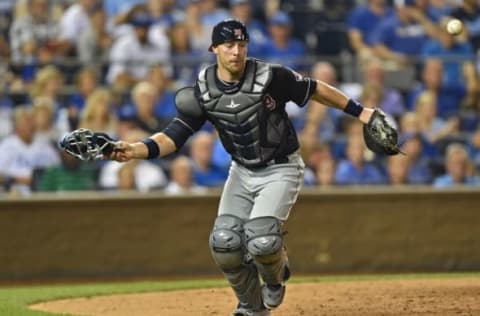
(245, 100)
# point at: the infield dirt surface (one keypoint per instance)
(445, 297)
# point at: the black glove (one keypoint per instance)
(87, 145)
(380, 137)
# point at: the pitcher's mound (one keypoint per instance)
(373, 298)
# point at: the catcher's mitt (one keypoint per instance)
(87, 145)
(380, 137)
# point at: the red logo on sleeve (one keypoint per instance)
(269, 102)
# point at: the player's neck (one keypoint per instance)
(227, 76)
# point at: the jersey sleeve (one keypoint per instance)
(292, 86)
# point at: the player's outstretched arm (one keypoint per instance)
(157, 145)
(380, 136)
(88, 145)
(331, 96)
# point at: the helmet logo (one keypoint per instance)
(238, 34)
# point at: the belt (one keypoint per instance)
(275, 161)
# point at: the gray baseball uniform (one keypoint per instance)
(265, 176)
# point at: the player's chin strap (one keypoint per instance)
(87, 145)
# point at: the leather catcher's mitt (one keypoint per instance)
(87, 145)
(380, 137)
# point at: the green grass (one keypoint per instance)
(14, 301)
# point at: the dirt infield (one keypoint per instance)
(459, 297)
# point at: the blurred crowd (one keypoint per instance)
(114, 66)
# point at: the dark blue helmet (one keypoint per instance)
(227, 31)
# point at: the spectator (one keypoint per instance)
(132, 55)
(147, 176)
(318, 166)
(355, 169)
(469, 12)
(204, 172)
(372, 95)
(141, 114)
(242, 11)
(182, 178)
(94, 43)
(6, 114)
(282, 46)
(401, 36)
(71, 175)
(185, 66)
(325, 173)
(165, 99)
(141, 175)
(98, 115)
(432, 127)
(449, 97)
(419, 170)
(211, 13)
(397, 169)
(459, 170)
(74, 22)
(321, 122)
(43, 116)
(362, 24)
(33, 36)
(86, 81)
(117, 12)
(126, 177)
(49, 83)
(458, 68)
(199, 33)
(221, 159)
(474, 147)
(390, 101)
(22, 153)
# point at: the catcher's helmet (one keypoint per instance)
(227, 31)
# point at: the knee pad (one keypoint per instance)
(264, 238)
(226, 242)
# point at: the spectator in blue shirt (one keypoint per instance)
(185, 58)
(419, 171)
(469, 12)
(450, 97)
(242, 11)
(459, 170)
(212, 13)
(402, 35)
(282, 47)
(205, 173)
(397, 170)
(362, 22)
(165, 99)
(458, 55)
(355, 169)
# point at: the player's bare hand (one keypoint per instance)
(122, 152)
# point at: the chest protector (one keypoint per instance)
(249, 130)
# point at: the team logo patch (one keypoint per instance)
(269, 102)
